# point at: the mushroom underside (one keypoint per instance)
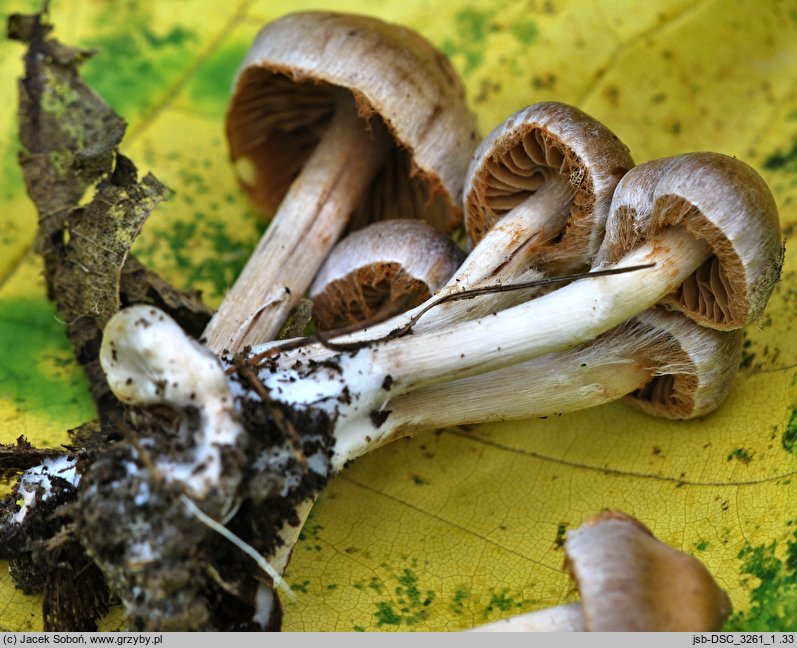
(708, 294)
(520, 166)
(273, 125)
(378, 290)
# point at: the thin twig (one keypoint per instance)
(325, 339)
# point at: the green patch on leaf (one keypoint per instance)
(138, 61)
(740, 454)
(210, 87)
(201, 251)
(701, 545)
(310, 532)
(473, 27)
(773, 597)
(300, 587)
(461, 594)
(376, 585)
(386, 615)
(499, 601)
(525, 31)
(409, 603)
(789, 439)
(38, 370)
(786, 161)
(561, 532)
(472, 24)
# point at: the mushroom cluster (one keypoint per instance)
(233, 440)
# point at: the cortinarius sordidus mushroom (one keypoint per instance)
(537, 198)
(719, 200)
(554, 166)
(352, 390)
(334, 114)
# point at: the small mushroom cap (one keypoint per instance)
(630, 581)
(394, 264)
(548, 142)
(292, 79)
(718, 199)
(694, 367)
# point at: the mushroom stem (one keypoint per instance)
(606, 370)
(503, 256)
(564, 318)
(149, 361)
(624, 360)
(310, 219)
(670, 366)
(562, 618)
(578, 312)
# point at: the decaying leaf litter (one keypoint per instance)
(70, 138)
(120, 178)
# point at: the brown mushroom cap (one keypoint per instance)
(694, 367)
(390, 266)
(548, 142)
(630, 581)
(296, 72)
(718, 199)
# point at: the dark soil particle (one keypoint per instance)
(171, 571)
(378, 417)
(45, 557)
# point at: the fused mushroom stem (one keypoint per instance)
(662, 362)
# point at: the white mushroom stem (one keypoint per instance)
(561, 618)
(562, 319)
(148, 360)
(310, 219)
(701, 364)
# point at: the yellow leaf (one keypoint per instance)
(459, 527)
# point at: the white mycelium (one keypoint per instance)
(37, 480)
